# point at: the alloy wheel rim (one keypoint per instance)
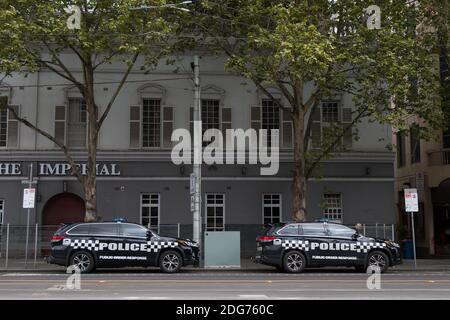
(171, 262)
(377, 260)
(82, 261)
(294, 262)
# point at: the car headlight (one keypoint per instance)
(392, 244)
(188, 243)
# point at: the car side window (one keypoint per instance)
(340, 231)
(130, 230)
(80, 229)
(107, 229)
(313, 229)
(290, 230)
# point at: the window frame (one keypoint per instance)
(280, 205)
(68, 123)
(8, 120)
(341, 220)
(161, 120)
(215, 205)
(150, 205)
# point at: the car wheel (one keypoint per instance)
(294, 262)
(170, 261)
(378, 259)
(83, 260)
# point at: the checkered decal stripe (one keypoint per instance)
(296, 244)
(155, 246)
(85, 244)
(93, 245)
(366, 246)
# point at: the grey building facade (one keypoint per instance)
(136, 177)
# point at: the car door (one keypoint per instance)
(135, 238)
(104, 239)
(342, 245)
(318, 243)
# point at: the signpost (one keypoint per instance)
(28, 203)
(411, 206)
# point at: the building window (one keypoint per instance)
(271, 208)
(415, 145)
(9, 128)
(2, 210)
(332, 207)
(151, 123)
(76, 126)
(150, 208)
(400, 150)
(330, 112)
(215, 212)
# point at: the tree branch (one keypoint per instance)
(116, 93)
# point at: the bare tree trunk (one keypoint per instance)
(299, 181)
(90, 182)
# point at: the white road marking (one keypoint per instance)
(253, 296)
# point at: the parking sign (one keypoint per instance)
(411, 200)
(28, 198)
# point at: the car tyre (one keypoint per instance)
(378, 259)
(170, 261)
(294, 262)
(83, 260)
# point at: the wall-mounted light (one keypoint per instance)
(64, 186)
(244, 170)
(182, 170)
(368, 171)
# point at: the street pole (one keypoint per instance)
(28, 217)
(413, 239)
(197, 169)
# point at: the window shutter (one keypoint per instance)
(226, 119)
(135, 126)
(167, 126)
(255, 117)
(287, 130)
(60, 124)
(316, 128)
(346, 120)
(13, 128)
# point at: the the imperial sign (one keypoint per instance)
(58, 169)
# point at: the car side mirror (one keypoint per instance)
(149, 235)
(355, 236)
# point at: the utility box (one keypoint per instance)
(222, 249)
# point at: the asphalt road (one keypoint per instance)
(265, 284)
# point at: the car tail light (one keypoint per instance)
(57, 238)
(266, 238)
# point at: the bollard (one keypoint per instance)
(7, 246)
(35, 245)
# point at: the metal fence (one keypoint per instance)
(15, 252)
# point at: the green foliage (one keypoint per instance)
(36, 31)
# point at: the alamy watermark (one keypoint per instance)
(73, 282)
(373, 282)
(237, 147)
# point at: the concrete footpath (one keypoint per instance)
(423, 265)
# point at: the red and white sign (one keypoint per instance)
(29, 195)
(411, 200)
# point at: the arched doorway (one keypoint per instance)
(441, 213)
(61, 208)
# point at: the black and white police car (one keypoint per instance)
(292, 247)
(119, 244)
